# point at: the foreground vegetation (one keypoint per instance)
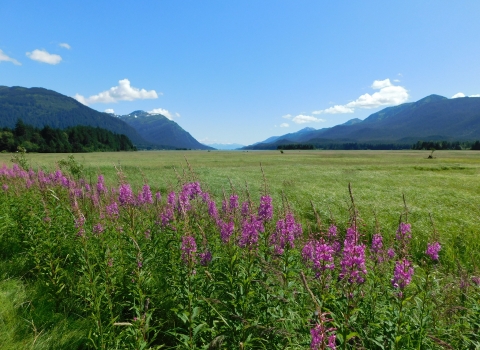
(194, 258)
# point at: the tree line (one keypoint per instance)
(74, 139)
(446, 145)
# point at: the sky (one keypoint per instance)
(242, 71)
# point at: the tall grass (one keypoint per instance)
(104, 262)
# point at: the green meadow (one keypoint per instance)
(447, 186)
(68, 283)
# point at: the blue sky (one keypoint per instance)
(242, 71)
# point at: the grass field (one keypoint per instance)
(447, 186)
(62, 289)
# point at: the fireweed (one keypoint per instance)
(174, 272)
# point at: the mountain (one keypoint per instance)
(431, 118)
(226, 146)
(159, 130)
(40, 107)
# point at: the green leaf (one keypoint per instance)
(351, 335)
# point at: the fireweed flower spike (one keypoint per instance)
(319, 256)
(125, 195)
(250, 231)
(433, 249)
(323, 337)
(265, 210)
(101, 184)
(205, 258)
(287, 230)
(353, 259)
(402, 274)
(189, 249)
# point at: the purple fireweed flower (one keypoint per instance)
(226, 230)
(171, 199)
(404, 232)
(98, 228)
(265, 210)
(377, 248)
(189, 249)
(101, 188)
(148, 235)
(166, 216)
(77, 192)
(112, 210)
(225, 208)
(5, 187)
(139, 264)
(476, 280)
(191, 189)
(353, 263)
(79, 225)
(391, 253)
(433, 249)
(322, 336)
(146, 195)
(245, 209)
(205, 258)
(233, 202)
(337, 247)
(28, 183)
(125, 195)
(352, 235)
(287, 230)
(158, 196)
(251, 227)
(205, 197)
(319, 256)
(402, 274)
(87, 187)
(332, 231)
(64, 181)
(184, 202)
(212, 210)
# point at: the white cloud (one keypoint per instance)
(6, 58)
(110, 111)
(388, 95)
(161, 111)
(65, 46)
(461, 94)
(303, 119)
(284, 125)
(337, 109)
(123, 92)
(380, 84)
(287, 116)
(44, 57)
(177, 114)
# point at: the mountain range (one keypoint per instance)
(432, 118)
(40, 107)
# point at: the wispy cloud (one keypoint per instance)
(109, 111)
(65, 46)
(388, 95)
(287, 116)
(304, 119)
(5, 58)
(44, 57)
(284, 125)
(122, 92)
